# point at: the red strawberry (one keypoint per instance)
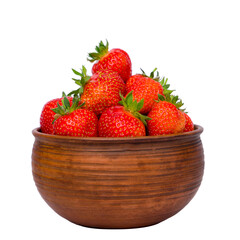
(123, 121)
(116, 60)
(165, 116)
(100, 91)
(47, 115)
(189, 126)
(147, 88)
(74, 121)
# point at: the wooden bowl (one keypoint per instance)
(118, 182)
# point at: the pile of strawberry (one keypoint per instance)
(114, 103)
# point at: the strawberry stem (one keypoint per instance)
(162, 81)
(152, 75)
(80, 82)
(66, 107)
(165, 85)
(174, 99)
(133, 106)
(101, 50)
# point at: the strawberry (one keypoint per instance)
(47, 115)
(189, 126)
(116, 60)
(147, 88)
(123, 121)
(100, 91)
(73, 120)
(166, 118)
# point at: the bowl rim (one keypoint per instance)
(196, 132)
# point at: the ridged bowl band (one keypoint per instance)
(118, 182)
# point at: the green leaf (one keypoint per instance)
(84, 70)
(76, 72)
(55, 110)
(66, 107)
(74, 92)
(129, 98)
(174, 99)
(101, 50)
(152, 73)
(80, 82)
(167, 86)
(167, 92)
(142, 117)
(92, 57)
(82, 104)
(140, 105)
(60, 108)
(77, 81)
(124, 104)
(143, 73)
(123, 101)
(80, 90)
(161, 97)
(75, 104)
(121, 96)
(133, 106)
(66, 103)
(168, 96)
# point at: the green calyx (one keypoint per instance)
(157, 78)
(175, 100)
(66, 107)
(133, 107)
(163, 81)
(101, 50)
(80, 82)
(152, 75)
(168, 96)
(165, 85)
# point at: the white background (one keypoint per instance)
(196, 44)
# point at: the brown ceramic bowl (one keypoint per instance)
(118, 182)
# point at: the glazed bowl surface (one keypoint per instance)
(118, 182)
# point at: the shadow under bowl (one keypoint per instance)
(118, 182)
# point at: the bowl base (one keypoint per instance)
(125, 225)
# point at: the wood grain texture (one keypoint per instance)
(118, 182)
